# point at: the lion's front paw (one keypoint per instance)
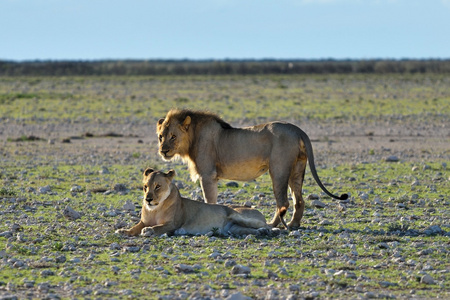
(147, 231)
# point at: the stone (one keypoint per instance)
(240, 270)
(427, 279)
(232, 184)
(45, 189)
(104, 171)
(325, 222)
(71, 214)
(377, 201)
(295, 233)
(76, 189)
(312, 197)
(6, 234)
(318, 204)
(46, 273)
(114, 246)
(383, 245)
(183, 268)
(60, 259)
(120, 187)
(433, 230)
(364, 196)
(129, 205)
(237, 296)
(392, 158)
(131, 249)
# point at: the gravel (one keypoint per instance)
(60, 243)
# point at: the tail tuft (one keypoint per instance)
(343, 197)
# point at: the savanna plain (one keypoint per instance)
(72, 153)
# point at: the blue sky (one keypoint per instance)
(223, 29)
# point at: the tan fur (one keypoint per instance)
(213, 150)
(165, 211)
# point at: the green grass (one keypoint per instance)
(303, 97)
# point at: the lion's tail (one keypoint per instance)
(312, 166)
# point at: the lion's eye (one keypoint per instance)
(160, 137)
(157, 187)
(145, 188)
(173, 137)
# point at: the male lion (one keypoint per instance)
(214, 149)
(165, 211)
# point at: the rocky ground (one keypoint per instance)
(57, 239)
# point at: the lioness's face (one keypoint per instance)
(172, 137)
(156, 187)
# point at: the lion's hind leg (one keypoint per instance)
(295, 184)
(280, 181)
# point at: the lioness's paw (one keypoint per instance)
(263, 231)
(147, 231)
(122, 231)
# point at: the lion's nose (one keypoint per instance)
(164, 152)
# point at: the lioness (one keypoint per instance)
(214, 149)
(165, 211)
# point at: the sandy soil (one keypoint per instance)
(333, 143)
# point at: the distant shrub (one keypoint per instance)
(222, 67)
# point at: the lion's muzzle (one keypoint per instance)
(165, 154)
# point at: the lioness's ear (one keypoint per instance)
(171, 174)
(186, 123)
(148, 171)
(158, 125)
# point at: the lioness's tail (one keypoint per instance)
(310, 155)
